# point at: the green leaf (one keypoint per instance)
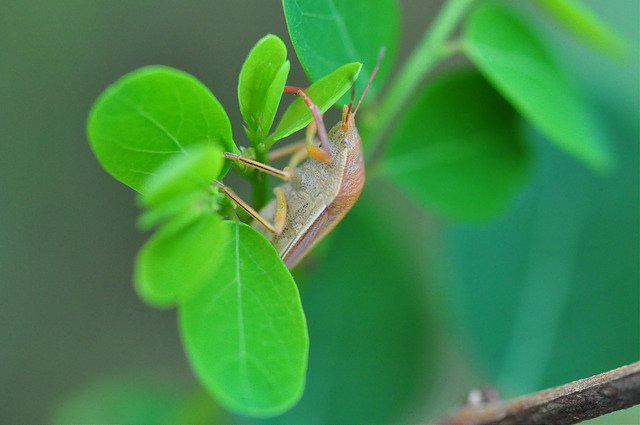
(190, 204)
(149, 115)
(582, 22)
(370, 323)
(182, 175)
(626, 416)
(459, 149)
(181, 186)
(261, 84)
(122, 400)
(324, 93)
(563, 267)
(182, 254)
(329, 33)
(244, 329)
(138, 399)
(514, 58)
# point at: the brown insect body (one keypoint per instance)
(318, 195)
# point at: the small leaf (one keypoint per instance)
(183, 175)
(328, 33)
(189, 204)
(324, 93)
(261, 84)
(513, 58)
(244, 329)
(149, 115)
(582, 22)
(177, 258)
(459, 148)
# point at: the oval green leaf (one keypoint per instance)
(329, 33)
(183, 174)
(261, 84)
(177, 258)
(244, 329)
(587, 26)
(514, 58)
(181, 187)
(459, 148)
(149, 115)
(181, 207)
(324, 93)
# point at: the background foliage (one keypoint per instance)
(545, 294)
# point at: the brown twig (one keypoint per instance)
(567, 404)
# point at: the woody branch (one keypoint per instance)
(567, 404)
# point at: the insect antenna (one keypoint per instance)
(346, 110)
(353, 97)
(373, 74)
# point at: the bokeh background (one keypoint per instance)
(546, 293)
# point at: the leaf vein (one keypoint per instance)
(144, 114)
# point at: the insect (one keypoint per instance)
(317, 193)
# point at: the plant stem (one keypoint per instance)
(260, 183)
(430, 49)
(567, 404)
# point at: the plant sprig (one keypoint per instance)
(162, 132)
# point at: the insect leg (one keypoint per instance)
(292, 89)
(281, 174)
(281, 208)
(296, 159)
(297, 150)
(291, 149)
(322, 154)
(280, 217)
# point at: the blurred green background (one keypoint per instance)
(415, 316)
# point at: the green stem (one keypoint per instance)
(260, 183)
(428, 52)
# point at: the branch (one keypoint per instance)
(567, 404)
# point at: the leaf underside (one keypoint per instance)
(329, 33)
(459, 148)
(513, 57)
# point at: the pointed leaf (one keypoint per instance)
(149, 115)
(323, 93)
(177, 258)
(260, 86)
(328, 33)
(581, 21)
(244, 329)
(459, 149)
(514, 58)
